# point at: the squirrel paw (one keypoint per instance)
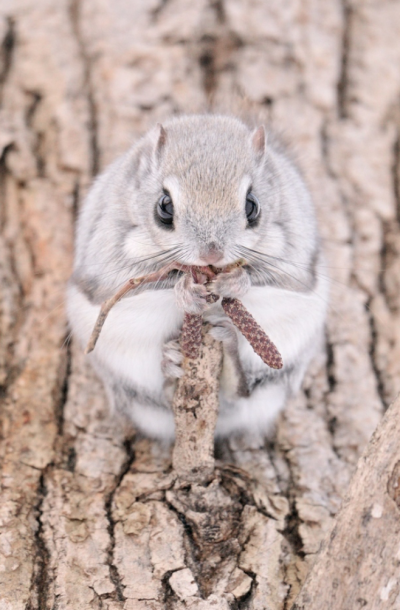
(171, 360)
(223, 330)
(191, 297)
(233, 284)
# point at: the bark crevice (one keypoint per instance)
(75, 16)
(114, 574)
(41, 577)
(6, 53)
(343, 82)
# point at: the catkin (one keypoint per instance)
(190, 338)
(253, 332)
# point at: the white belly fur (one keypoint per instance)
(132, 337)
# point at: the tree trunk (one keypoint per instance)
(359, 565)
(90, 516)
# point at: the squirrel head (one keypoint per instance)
(205, 185)
(198, 190)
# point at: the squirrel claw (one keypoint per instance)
(171, 360)
(234, 283)
(191, 297)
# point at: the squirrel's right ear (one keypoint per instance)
(259, 140)
(161, 139)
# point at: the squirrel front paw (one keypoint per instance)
(223, 330)
(191, 297)
(233, 284)
(171, 360)
(235, 378)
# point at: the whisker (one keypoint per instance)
(260, 275)
(309, 288)
(67, 340)
(331, 305)
(303, 266)
(257, 258)
(328, 302)
(137, 265)
(121, 256)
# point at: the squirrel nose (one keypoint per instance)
(211, 254)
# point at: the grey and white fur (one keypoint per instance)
(208, 166)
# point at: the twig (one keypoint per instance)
(130, 285)
(195, 407)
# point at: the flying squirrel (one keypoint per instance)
(199, 190)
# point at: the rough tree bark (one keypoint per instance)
(359, 565)
(89, 518)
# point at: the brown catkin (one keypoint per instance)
(254, 334)
(190, 338)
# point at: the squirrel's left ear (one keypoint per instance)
(259, 140)
(161, 140)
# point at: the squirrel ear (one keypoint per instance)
(258, 140)
(162, 138)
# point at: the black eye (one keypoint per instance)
(252, 208)
(165, 209)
